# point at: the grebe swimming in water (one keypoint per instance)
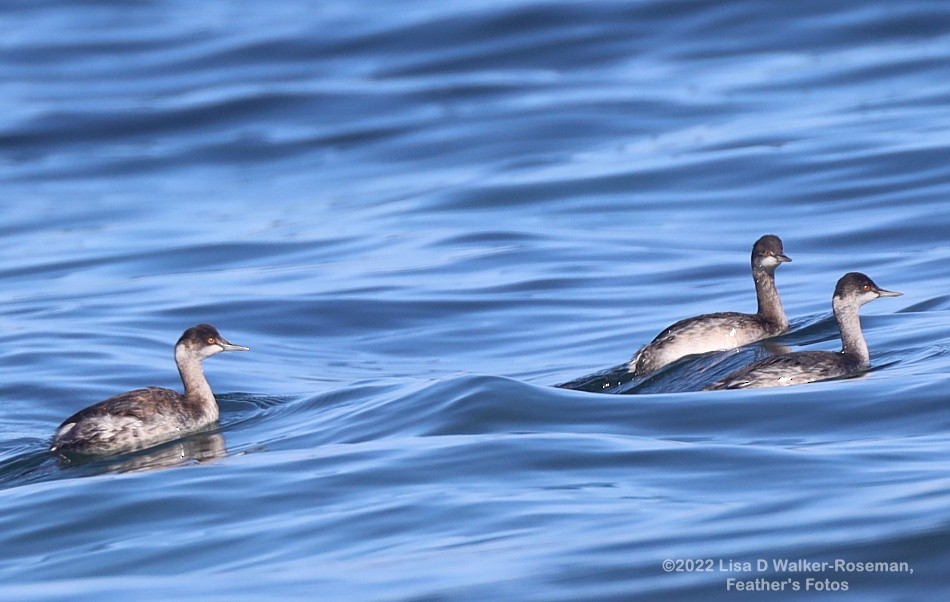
(852, 291)
(146, 417)
(726, 330)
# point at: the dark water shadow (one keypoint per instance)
(26, 463)
(604, 381)
(691, 373)
(194, 449)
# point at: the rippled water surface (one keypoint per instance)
(421, 217)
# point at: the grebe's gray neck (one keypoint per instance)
(769, 303)
(849, 322)
(197, 390)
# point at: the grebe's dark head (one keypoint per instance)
(768, 253)
(203, 341)
(855, 287)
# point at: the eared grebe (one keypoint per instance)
(147, 417)
(726, 330)
(852, 291)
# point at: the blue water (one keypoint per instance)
(423, 216)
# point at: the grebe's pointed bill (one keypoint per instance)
(885, 293)
(225, 345)
(783, 258)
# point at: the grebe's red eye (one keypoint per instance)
(211, 341)
(867, 287)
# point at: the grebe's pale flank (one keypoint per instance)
(146, 417)
(727, 330)
(852, 291)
